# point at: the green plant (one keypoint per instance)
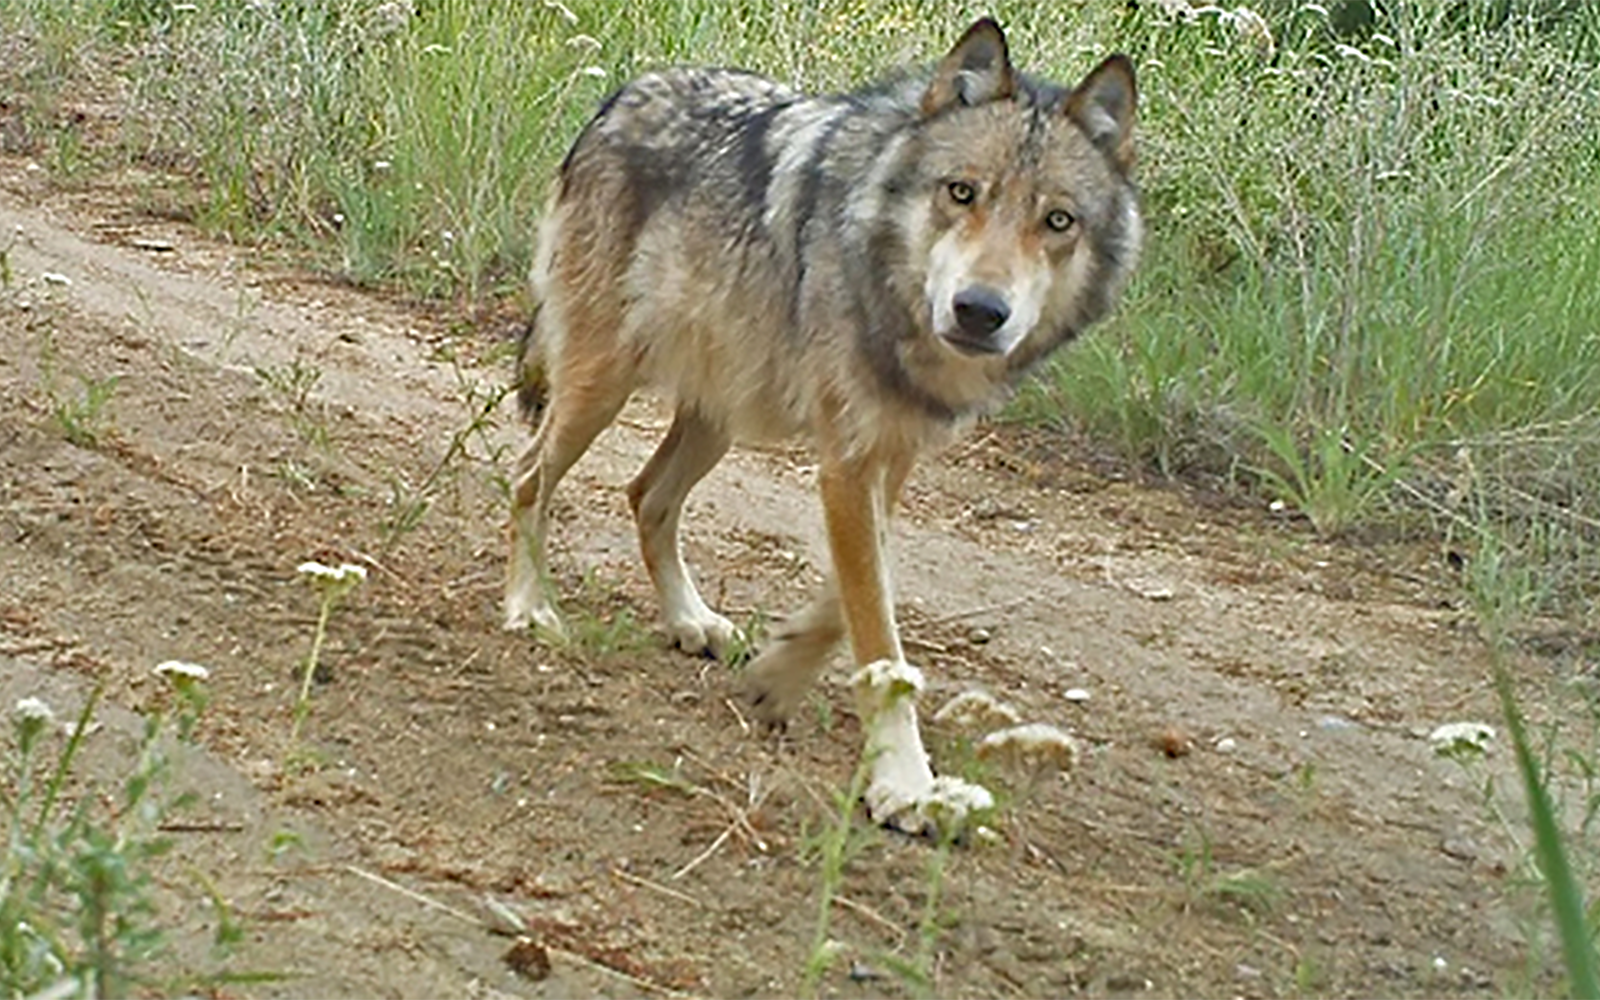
(77, 884)
(331, 584)
(1575, 925)
(295, 383)
(1246, 891)
(832, 847)
(82, 417)
(407, 505)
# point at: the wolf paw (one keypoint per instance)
(776, 683)
(709, 634)
(895, 799)
(537, 615)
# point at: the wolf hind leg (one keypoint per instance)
(779, 678)
(692, 447)
(585, 400)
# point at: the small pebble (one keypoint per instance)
(979, 636)
(1227, 745)
(1075, 694)
(1174, 742)
(861, 972)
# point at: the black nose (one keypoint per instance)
(980, 311)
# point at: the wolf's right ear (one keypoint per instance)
(1103, 106)
(976, 71)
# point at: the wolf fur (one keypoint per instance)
(868, 271)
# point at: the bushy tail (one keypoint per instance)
(530, 378)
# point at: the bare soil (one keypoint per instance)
(1257, 814)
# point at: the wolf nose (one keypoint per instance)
(980, 311)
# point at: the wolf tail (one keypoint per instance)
(530, 381)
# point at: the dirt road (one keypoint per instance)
(1257, 812)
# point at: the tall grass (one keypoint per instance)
(1372, 290)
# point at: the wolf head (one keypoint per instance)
(1020, 201)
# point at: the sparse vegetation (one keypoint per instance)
(78, 910)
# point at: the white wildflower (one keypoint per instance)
(175, 669)
(1461, 737)
(1036, 746)
(976, 710)
(888, 681)
(34, 710)
(950, 802)
(33, 716)
(342, 573)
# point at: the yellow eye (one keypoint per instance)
(1059, 220)
(962, 193)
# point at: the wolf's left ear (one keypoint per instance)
(1103, 106)
(976, 71)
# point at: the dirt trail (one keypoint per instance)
(1304, 840)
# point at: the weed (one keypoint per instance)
(82, 416)
(1247, 891)
(77, 899)
(294, 383)
(407, 505)
(331, 584)
(833, 847)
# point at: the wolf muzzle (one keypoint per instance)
(980, 311)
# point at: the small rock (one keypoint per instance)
(1124, 982)
(529, 959)
(1244, 971)
(1227, 745)
(1174, 742)
(1075, 694)
(1336, 722)
(1460, 848)
(979, 636)
(861, 972)
(1152, 590)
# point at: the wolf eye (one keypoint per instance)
(1059, 220)
(961, 192)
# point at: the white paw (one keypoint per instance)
(897, 792)
(706, 634)
(538, 615)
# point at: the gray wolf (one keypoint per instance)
(868, 271)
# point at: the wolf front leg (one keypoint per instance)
(858, 497)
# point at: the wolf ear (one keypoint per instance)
(1103, 106)
(976, 71)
